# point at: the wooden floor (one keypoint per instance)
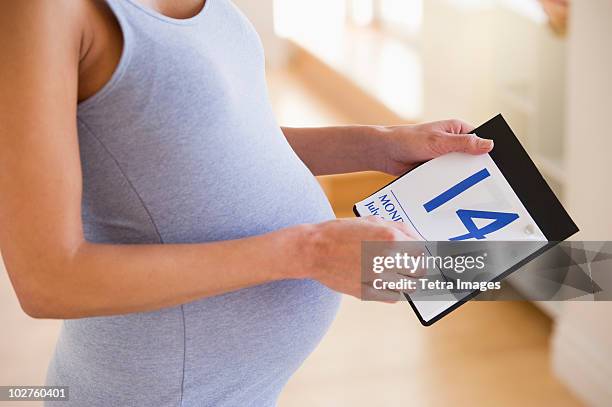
(486, 354)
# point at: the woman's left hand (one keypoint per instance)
(407, 146)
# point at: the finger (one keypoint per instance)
(373, 219)
(390, 281)
(414, 273)
(404, 228)
(371, 294)
(386, 276)
(466, 143)
(456, 126)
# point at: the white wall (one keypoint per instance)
(582, 346)
(261, 14)
(589, 142)
(457, 51)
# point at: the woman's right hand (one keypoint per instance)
(330, 252)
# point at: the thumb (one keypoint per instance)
(468, 143)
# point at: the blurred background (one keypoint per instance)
(546, 66)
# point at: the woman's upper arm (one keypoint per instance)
(40, 174)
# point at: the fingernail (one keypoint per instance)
(485, 144)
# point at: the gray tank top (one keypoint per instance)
(181, 146)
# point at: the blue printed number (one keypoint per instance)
(499, 219)
(457, 190)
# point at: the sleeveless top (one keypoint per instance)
(181, 146)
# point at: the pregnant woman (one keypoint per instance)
(149, 198)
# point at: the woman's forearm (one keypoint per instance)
(101, 279)
(390, 149)
(341, 149)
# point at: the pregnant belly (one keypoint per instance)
(225, 351)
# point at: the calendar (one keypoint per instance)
(500, 196)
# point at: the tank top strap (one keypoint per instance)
(138, 13)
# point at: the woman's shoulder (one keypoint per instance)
(82, 32)
(34, 23)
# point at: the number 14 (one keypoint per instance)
(467, 216)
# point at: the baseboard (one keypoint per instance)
(582, 366)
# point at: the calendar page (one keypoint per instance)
(458, 197)
(455, 197)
